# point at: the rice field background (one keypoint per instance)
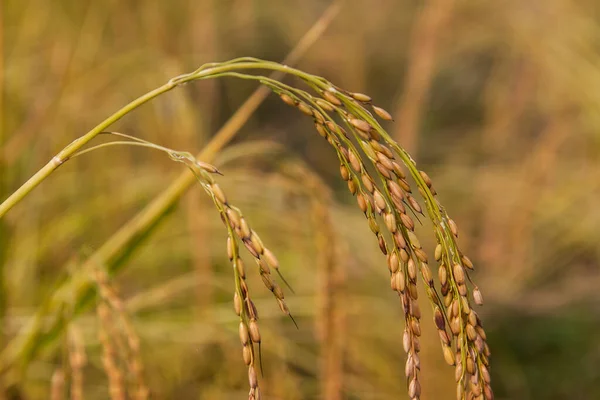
(498, 101)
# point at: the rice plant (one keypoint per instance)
(378, 172)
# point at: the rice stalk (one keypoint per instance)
(239, 229)
(469, 344)
(330, 315)
(385, 195)
(406, 257)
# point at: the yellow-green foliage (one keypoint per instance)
(497, 101)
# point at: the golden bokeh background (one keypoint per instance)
(498, 101)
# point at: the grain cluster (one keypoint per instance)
(378, 173)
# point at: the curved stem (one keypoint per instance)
(76, 145)
(120, 143)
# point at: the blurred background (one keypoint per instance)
(498, 101)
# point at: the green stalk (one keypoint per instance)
(74, 146)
